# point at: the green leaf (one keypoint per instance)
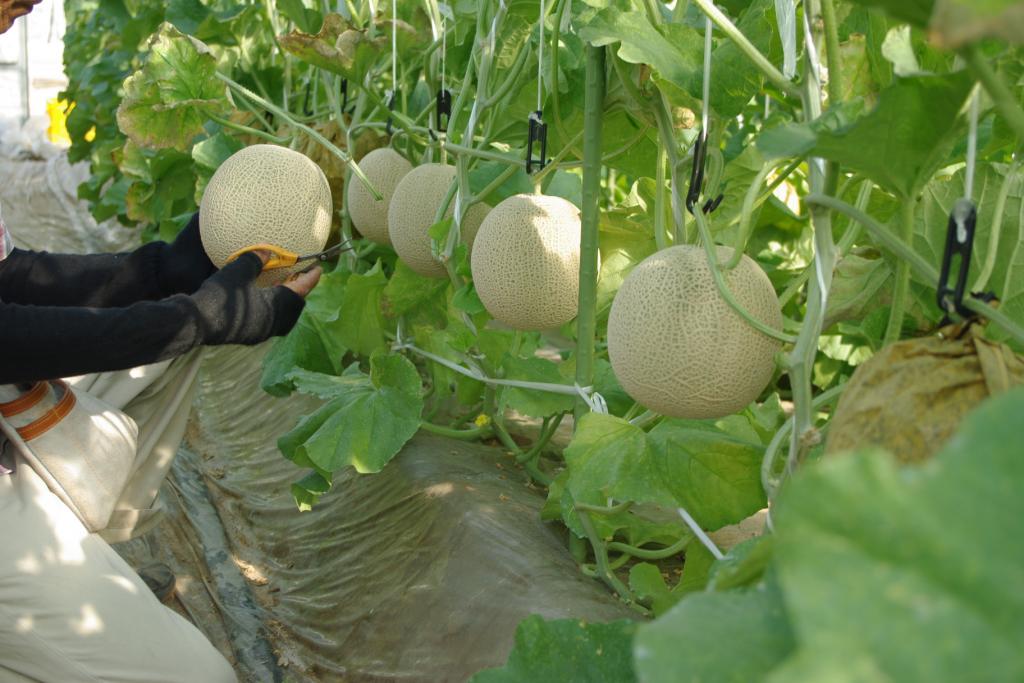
(732, 637)
(306, 19)
(857, 287)
(363, 331)
(912, 572)
(716, 477)
(303, 348)
(208, 155)
(407, 291)
(166, 102)
(467, 299)
(646, 581)
(307, 491)
(533, 402)
(907, 137)
(609, 458)
(567, 650)
(917, 12)
(677, 57)
(366, 421)
(338, 47)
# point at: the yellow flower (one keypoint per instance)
(482, 420)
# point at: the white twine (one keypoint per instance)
(540, 58)
(394, 52)
(972, 145)
(704, 116)
(699, 533)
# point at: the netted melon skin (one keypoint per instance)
(266, 194)
(411, 213)
(526, 261)
(678, 348)
(384, 168)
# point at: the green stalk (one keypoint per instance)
(723, 286)
(748, 48)
(559, 123)
(661, 240)
(901, 289)
(997, 229)
(586, 319)
(650, 554)
(832, 54)
(746, 215)
(601, 554)
(922, 267)
(997, 89)
(241, 128)
(460, 434)
(273, 108)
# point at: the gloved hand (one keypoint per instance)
(184, 265)
(233, 310)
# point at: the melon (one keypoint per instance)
(411, 213)
(526, 261)
(676, 345)
(270, 195)
(385, 168)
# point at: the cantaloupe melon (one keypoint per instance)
(411, 213)
(266, 194)
(385, 168)
(676, 345)
(526, 261)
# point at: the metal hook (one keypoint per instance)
(700, 147)
(538, 134)
(959, 241)
(305, 100)
(344, 98)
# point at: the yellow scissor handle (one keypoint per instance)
(279, 257)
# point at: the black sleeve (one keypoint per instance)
(46, 342)
(96, 280)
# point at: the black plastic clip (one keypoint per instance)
(700, 147)
(391, 107)
(306, 110)
(344, 98)
(959, 242)
(444, 108)
(538, 134)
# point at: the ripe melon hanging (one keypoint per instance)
(414, 205)
(385, 168)
(676, 345)
(266, 194)
(526, 261)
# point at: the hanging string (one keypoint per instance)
(704, 115)
(972, 145)
(540, 57)
(394, 51)
(444, 47)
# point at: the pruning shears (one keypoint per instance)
(282, 258)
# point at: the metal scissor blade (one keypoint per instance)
(327, 253)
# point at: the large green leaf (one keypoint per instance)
(914, 573)
(531, 401)
(900, 144)
(567, 651)
(363, 331)
(696, 465)
(366, 420)
(732, 637)
(166, 102)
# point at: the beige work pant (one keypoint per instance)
(71, 609)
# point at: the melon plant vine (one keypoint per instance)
(835, 132)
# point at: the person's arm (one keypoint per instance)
(153, 271)
(46, 342)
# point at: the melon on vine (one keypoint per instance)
(414, 205)
(384, 168)
(678, 348)
(526, 261)
(266, 194)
